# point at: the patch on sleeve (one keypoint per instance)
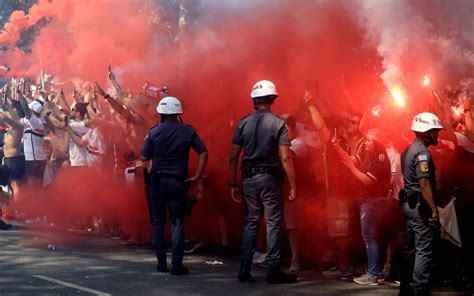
(424, 166)
(422, 157)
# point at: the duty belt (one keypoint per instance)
(261, 170)
(252, 171)
(412, 197)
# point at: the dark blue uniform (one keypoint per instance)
(168, 145)
(260, 134)
(418, 253)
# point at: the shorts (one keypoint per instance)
(15, 166)
(35, 169)
(295, 214)
(394, 220)
(338, 216)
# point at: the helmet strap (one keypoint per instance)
(165, 117)
(264, 102)
(427, 138)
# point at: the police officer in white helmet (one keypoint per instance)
(264, 139)
(418, 200)
(167, 145)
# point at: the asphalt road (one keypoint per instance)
(86, 264)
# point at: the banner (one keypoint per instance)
(151, 90)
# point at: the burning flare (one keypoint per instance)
(426, 80)
(377, 110)
(398, 96)
(456, 111)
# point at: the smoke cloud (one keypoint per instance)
(354, 51)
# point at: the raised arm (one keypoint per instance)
(118, 107)
(11, 117)
(468, 107)
(24, 105)
(118, 88)
(63, 99)
(317, 118)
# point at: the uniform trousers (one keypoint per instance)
(262, 195)
(418, 250)
(168, 194)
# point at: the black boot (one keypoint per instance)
(244, 272)
(423, 292)
(406, 290)
(4, 226)
(276, 276)
(162, 267)
(179, 269)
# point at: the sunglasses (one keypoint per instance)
(353, 122)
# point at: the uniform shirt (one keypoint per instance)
(168, 145)
(33, 138)
(95, 147)
(416, 164)
(377, 168)
(260, 134)
(78, 154)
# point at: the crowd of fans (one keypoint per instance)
(348, 172)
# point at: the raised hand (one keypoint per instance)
(100, 90)
(308, 97)
(111, 74)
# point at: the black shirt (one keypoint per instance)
(416, 164)
(168, 145)
(340, 182)
(377, 168)
(260, 134)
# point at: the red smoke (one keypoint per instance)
(211, 68)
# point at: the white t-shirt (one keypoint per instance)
(310, 137)
(78, 154)
(95, 147)
(464, 142)
(33, 138)
(395, 169)
(298, 146)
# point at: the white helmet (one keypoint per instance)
(425, 121)
(169, 105)
(263, 88)
(36, 106)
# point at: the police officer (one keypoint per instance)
(419, 204)
(168, 145)
(264, 139)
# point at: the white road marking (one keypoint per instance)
(92, 291)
